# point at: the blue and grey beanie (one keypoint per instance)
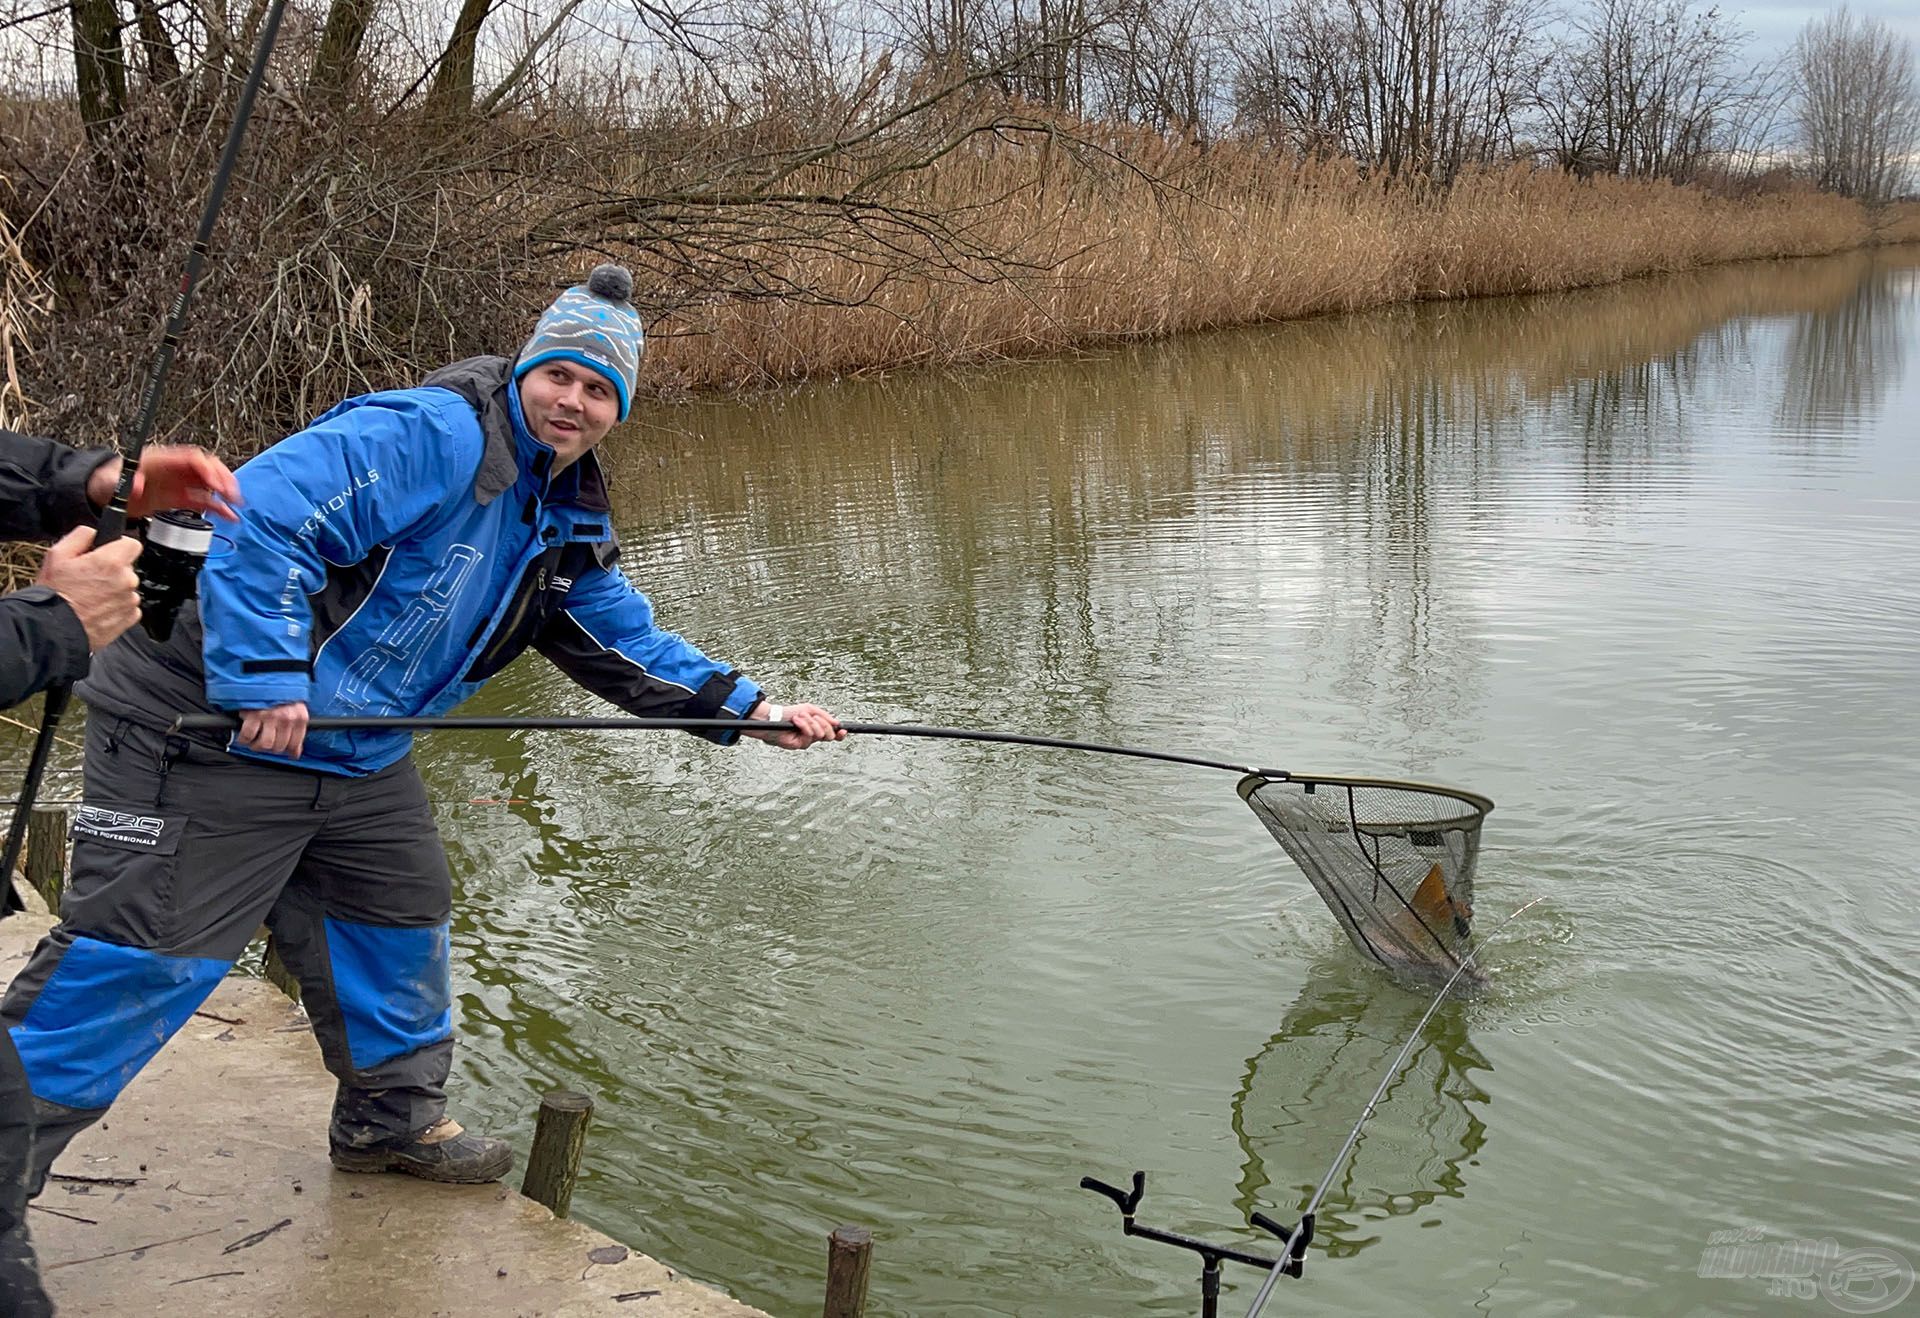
(592, 324)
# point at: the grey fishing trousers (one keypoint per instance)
(180, 853)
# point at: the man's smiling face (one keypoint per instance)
(568, 407)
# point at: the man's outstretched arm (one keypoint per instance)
(607, 640)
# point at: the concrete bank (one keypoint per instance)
(207, 1192)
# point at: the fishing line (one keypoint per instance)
(1313, 1205)
(113, 521)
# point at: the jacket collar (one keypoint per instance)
(487, 385)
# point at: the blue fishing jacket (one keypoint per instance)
(392, 557)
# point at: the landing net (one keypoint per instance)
(1393, 860)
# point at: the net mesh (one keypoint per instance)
(1394, 861)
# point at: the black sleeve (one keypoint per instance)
(43, 486)
(42, 644)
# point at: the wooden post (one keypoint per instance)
(276, 970)
(553, 1164)
(849, 1255)
(47, 853)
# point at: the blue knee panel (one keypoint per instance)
(394, 987)
(103, 1014)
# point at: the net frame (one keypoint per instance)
(1369, 846)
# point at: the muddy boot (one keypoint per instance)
(441, 1152)
(20, 1292)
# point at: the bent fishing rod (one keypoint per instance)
(1296, 1237)
(1302, 1232)
(113, 522)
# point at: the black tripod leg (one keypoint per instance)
(1210, 1287)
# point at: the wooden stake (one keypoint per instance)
(47, 853)
(277, 972)
(553, 1165)
(849, 1255)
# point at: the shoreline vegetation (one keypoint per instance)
(1241, 240)
(824, 190)
(1015, 249)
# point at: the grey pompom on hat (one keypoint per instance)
(595, 325)
(612, 282)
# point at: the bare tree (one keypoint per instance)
(1421, 87)
(941, 36)
(1652, 88)
(1859, 105)
(1161, 63)
(452, 91)
(163, 62)
(339, 54)
(99, 65)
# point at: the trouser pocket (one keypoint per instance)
(122, 886)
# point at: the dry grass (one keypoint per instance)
(1242, 239)
(359, 254)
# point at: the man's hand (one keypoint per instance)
(281, 730)
(811, 722)
(98, 584)
(170, 476)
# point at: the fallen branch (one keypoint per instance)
(205, 1276)
(123, 1182)
(131, 1249)
(248, 1242)
(71, 1217)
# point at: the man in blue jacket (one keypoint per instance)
(396, 554)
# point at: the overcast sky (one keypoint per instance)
(1775, 23)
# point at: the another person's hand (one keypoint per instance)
(281, 730)
(171, 476)
(811, 724)
(98, 584)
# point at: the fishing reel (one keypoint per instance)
(177, 543)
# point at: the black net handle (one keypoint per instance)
(1251, 780)
(484, 723)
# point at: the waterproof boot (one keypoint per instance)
(21, 1295)
(441, 1152)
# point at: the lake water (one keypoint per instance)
(1642, 564)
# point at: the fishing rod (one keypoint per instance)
(113, 521)
(1303, 1231)
(1296, 1237)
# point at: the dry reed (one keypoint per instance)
(1242, 239)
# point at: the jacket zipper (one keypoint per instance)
(511, 624)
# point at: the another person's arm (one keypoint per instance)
(43, 486)
(47, 489)
(83, 598)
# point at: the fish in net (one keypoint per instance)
(1394, 862)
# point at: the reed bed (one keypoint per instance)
(1232, 237)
